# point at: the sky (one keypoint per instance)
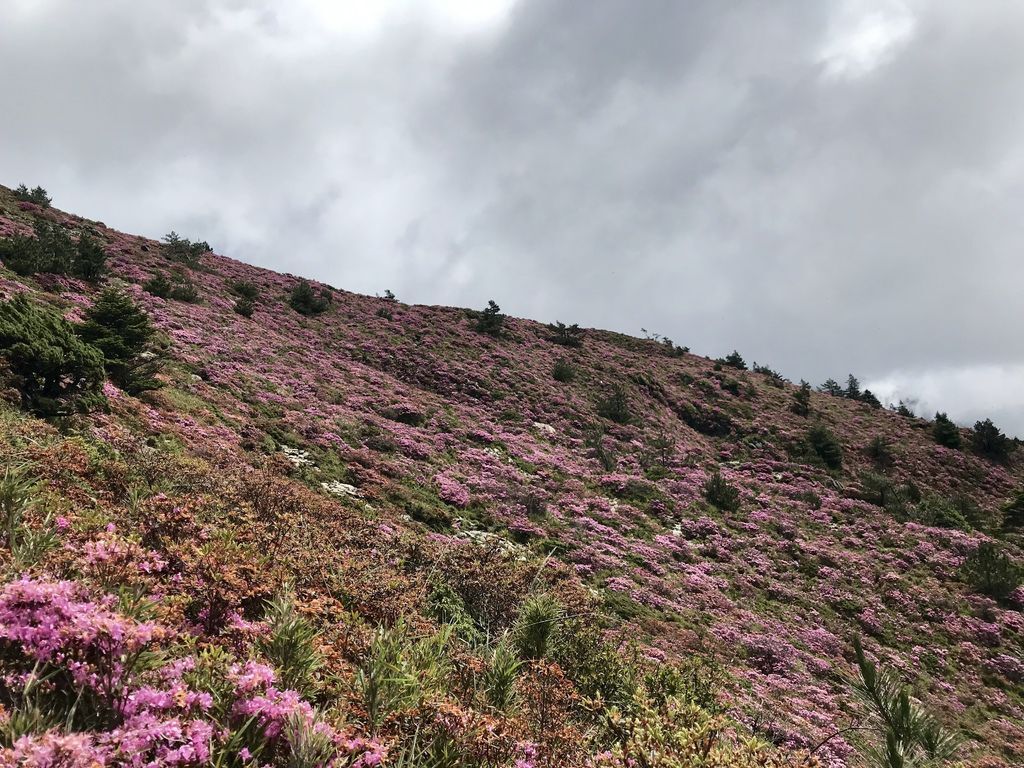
(828, 187)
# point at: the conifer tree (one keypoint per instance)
(945, 432)
(122, 331)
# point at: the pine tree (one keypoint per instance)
(831, 387)
(945, 432)
(989, 441)
(90, 259)
(852, 388)
(122, 331)
(53, 369)
(490, 320)
(802, 399)
(734, 360)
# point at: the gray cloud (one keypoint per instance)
(827, 187)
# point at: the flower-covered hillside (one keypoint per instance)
(413, 471)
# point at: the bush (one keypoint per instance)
(53, 369)
(158, 285)
(719, 493)
(121, 330)
(307, 302)
(35, 195)
(990, 570)
(90, 261)
(244, 306)
(989, 441)
(775, 378)
(566, 335)
(880, 452)
(942, 513)
(490, 320)
(245, 289)
(184, 250)
(945, 432)
(563, 370)
(616, 406)
(824, 444)
(868, 397)
(183, 289)
(500, 677)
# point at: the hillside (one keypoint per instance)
(414, 481)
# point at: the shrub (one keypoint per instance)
(734, 360)
(566, 335)
(121, 330)
(616, 406)
(824, 444)
(880, 452)
(446, 606)
(184, 250)
(307, 302)
(941, 513)
(945, 432)
(605, 456)
(990, 570)
(53, 369)
(538, 618)
(801, 404)
(490, 320)
(183, 289)
(245, 289)
(291, 644)
(563, 370)
(989, 441)
(592, 663)
(903, 409)
(719, 493)
(244, 306)
(158, 285)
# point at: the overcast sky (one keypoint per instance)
(826, 186)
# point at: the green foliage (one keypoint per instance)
(538, 618)
(941, 513)
(53, 369)
(35, 195)
(593, 664)
(245, 289)
(605, 455)
(307, 302)
(989, 441)
(490, 320)
(308, 745)
(945, 432)
(499, 679)
(121, 330)
(734, 360)
(27, 544)
(825, 446)
(563, 370)
(291, 644)
(566, 335)
(616, 406)
(989, 570)
(184, 250)
(880, 452)
(158, 285)
(91, 260)
(1013, 512)
(721, 494)
(244, 306)
(446, 606)
(401, 670)
(905, 734)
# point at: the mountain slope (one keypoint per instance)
(401, 448)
